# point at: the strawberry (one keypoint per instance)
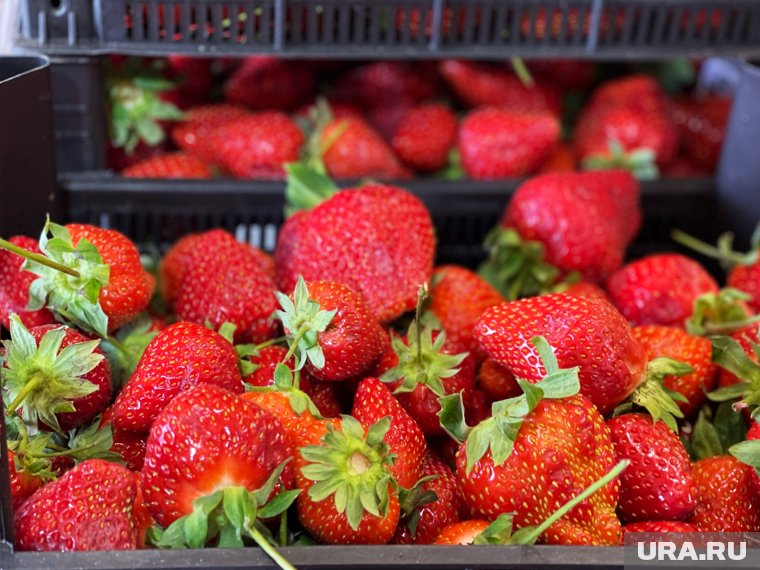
(726, 499)
(266, 82)
(701, 123)
(193, 133)
(462, 533)
(679, 345)
(23, 482)
(659, 289)
(561, 159)
(538, 451)
(352, 341)
(55, 375)
(425, 136)
(29, 465)
(265, 362)
(426, 521)
(93, 506)
(458, 297)
(191, 453)
(323, 394)
(347, 491)
(14, 286)
(172, 165)
(582, 289)
(374, 401)
(127, 444)
(479, 84)
(753, 435)
(746, 338)
(658, 484)
(585, 332)
(657, 526)
(683, 166)
(279, 404)
(193, 79)
(378, 240)
(182, 356)
(497, 381)
(499, 143)
(352, 149)
(567, 74)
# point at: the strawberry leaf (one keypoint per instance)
(730, 356)
(651, 395)
(719, 313)
(452, 417)
(747, 452)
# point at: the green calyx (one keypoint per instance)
(286, 382)
(729, 355)
(303, 319)
(43, 380)
(92, 442)
(412, 500)
(748, 452)
(654, 397)
(719, 313)
(499, 432)
(244, 351)
(30, 453)
(352, 470)
(714, 433)
(724, 250)
(516, 267)
(73, 295)
(227, 517)
(640, 162)
(124, 350)
(135, 107)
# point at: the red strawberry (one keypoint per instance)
(458, 297)
(258, 145)
(266, 82)
(462, 533)
(746, 277)
(425, 136)
(92, 507)
(128, 444)
(192, 76)
(349, 461)
(658, 526)
(28, 467)
(561, 159)
(479, 84)
(753, 434)
(352, 149)
(726, 500)
(585, 332)
(499, 143)
(373, 401)
(695, 351)
(746, 338)
(173, 165)
(659, 289)
(205, 440)
(378, 240)
(323, 394)
(701, 123)
(425, 523)
(182, 356)
(265, 362)
(568, 74)
(583, 289)
(55, 375)
(497, 381)
(658, 483)
(193, 133)
(684, 166)
(14, 287)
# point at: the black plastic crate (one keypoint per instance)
(632, 29)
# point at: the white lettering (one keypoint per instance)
(688, 551)
(715, 551)
(667, 550)
(741, 555)
(643, 554)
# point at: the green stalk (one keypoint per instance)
(279, 559)
(706, 249)
(271, 342)
(37, 258)
(30, 387)
(294, 345)
(522, 71)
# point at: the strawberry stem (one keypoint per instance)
(279, 559)
(37, 258)
(284, 528)
(521, 70)
(271, 342)
(28, 388)
(294, 345)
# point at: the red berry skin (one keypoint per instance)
(726, 500)
(497, 381)
(701, 123)
(658, 483)
(462, 533)
(695, 351)
(561, 448)
(657, 526)
(206, 439)
(585, 332)
(497, 143)
(659, 289)
(746, 337)
(172, 165)
(183, 355)
(752, 434)
(425, 136)
(130, 445)
(266, 82)
(747, 278)
(91, 507)
(23, 484)
(193, 133)
(14, 287)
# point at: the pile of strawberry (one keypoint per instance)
(390, 120)
(347, 391)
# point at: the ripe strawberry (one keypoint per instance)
(683, 166)
(458, 297)
(585, 332)
(205, 440)
(192, 77)
(638, 90)
(701, 123)
(355, 237)
(425, 136)
(347, 495)
(92, 507)
(425, 522)
(658, 483)
(258, 145)
(479, 84)
(561, 159)
(266, 82)
(14, 287)
(352, 149)
(23, 482)
(55, 375)
(582, 289)
(182, 356)
(679, 345)
(323, 394)
(659, 289)
(500, 143)
(374, 401)
(657, 526)
(280, 405)
(726, 501)
(193, 133)
(128, 444)
(29, 465)
(172, 165)
(567, 74)
(462, 533)
(497, 381)
(746, 338)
